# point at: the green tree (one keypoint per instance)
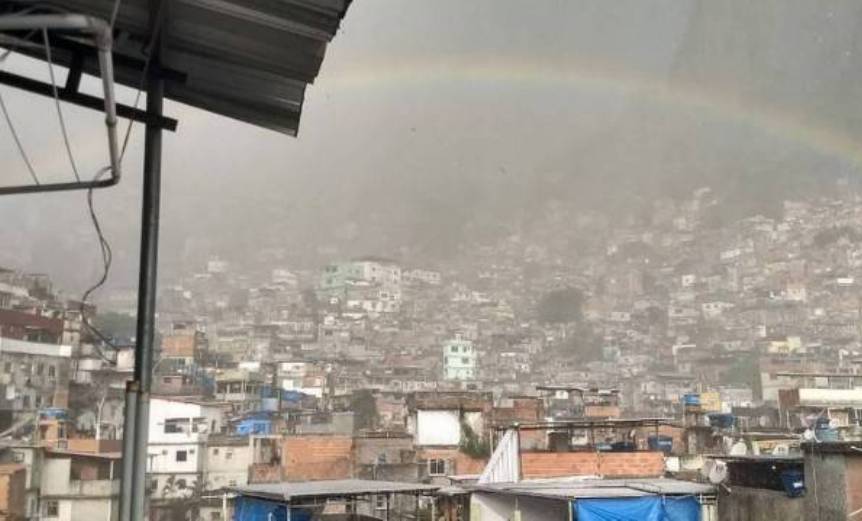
(116, 325)
(561, 306)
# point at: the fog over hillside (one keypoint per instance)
(440, 124)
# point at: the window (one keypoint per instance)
(52, 509)
(7, 368)
(465, 361)
(215, 515)
(40, 368)
(182, 455)
(215, 452)
(228, 454)
(380, 501)
(436, 467)
(176, 425)
(52, 371)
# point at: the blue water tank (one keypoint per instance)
(623, 446)
(793, 482)
(721, 420)
(660, 442)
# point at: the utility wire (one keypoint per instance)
(8, 118)
(60, 117)
(104, 245)
(17, 140)
(107, 259)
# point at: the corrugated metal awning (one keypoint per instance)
(339, 488)
(245, 59)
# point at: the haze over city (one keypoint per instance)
(431, 260)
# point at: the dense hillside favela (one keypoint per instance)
(717, 363)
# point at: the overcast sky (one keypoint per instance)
(426, 106)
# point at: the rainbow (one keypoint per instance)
(599, 77)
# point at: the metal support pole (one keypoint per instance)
(128, 451)
(145, 333)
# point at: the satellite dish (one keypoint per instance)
(739, 449)
(718, 472)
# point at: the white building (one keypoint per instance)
(178, 435)
(365, 279)
(301, 377)
(226, 462)
(459, 359)
(420, 276)
(81, 486)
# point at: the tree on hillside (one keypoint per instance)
(561, 306)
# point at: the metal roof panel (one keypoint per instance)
(245, 59)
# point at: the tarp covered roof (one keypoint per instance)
(576, 488)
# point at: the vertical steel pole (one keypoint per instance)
(128, 451)
(149, 257)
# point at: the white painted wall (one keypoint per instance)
(163, 457)
(55, 476)
(501, 507)
(225, 464)
(438, 428)
(162, 410)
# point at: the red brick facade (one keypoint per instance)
(606, 464)
(458, 463)
(317, 457)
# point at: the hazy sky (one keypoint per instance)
(424, 107)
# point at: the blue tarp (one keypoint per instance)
(253, 509)
(253, 426)
(685, 508)
(651, 508)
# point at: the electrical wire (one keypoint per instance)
(5, 111)
(104, 245)
(11, 125)
(17, 140)
(107, 259)
(60, 117)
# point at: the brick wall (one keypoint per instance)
(314, 457)
(853, 481)
(458, 462)
(93, 445)
(13, 492)
(608, 464)
(180, 345)
(265, 473)
(601, 411)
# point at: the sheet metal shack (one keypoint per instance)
(310, 499)
(594, 499)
